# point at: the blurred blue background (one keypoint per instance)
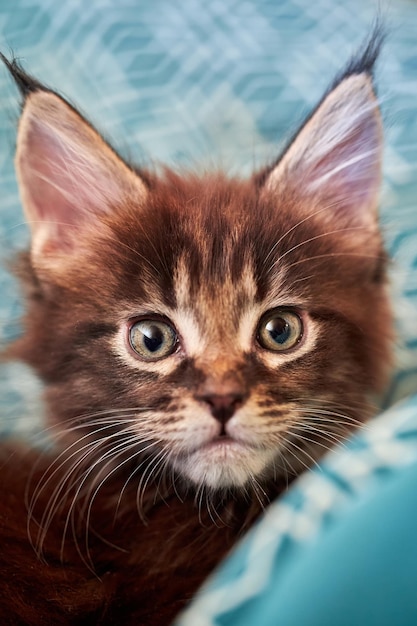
(208, 83)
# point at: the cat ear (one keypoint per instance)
(70, 179)
(336, 157)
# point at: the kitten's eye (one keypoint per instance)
(280, 330)
(152, 339)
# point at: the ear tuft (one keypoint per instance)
(25, 83)
(363, 62)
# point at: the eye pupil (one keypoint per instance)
(153, 338)
(279, 330)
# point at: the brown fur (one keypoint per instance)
(145, 580)
(144, 492)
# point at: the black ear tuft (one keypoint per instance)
(363, 62)
(25, 83)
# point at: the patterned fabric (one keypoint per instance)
(225, 82)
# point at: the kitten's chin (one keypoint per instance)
(224, 463)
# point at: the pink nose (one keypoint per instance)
(222, 406)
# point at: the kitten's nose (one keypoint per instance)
(223, 396)
(222, 407)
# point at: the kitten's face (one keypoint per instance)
(227, 362)
(227, 330)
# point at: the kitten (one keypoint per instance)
(201, 339)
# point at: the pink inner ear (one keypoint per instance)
(48, 174)
(350, 172)
(336, 157)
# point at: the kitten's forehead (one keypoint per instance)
(222, 314)
(195, 308)
(223, 293)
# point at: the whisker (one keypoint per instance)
(212, 511)
(68, 481)
(302, 437)
(325, 433)
(306, 241)
(65, 483)
(64, 457)
(109, 457)
(92, 496)
(158, 460)
(333, 255)
(293, 228)
(304, 452)
(258, 491)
